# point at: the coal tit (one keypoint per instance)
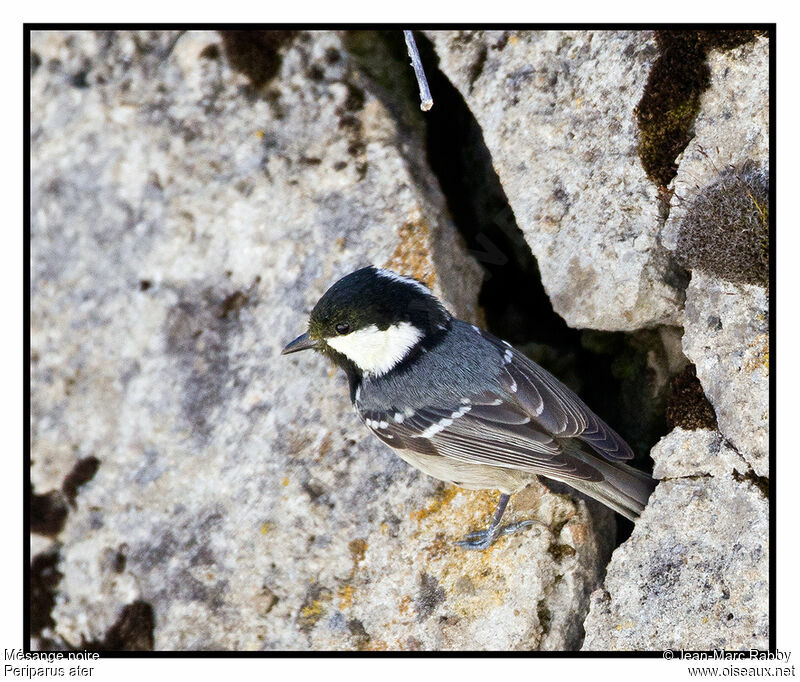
(460, 404)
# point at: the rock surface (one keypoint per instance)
(192, 200)
(727, 338)
(700, 452)
(727, 324)
(557, 113)
(183, 224)
(732, 126)
(695, 572)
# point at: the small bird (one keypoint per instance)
(460, 404)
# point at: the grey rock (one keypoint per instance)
(183, 224)
(732, 126)
(727, 324)
(727, 338)
(557, 113)
(695, 572)
(702, 452)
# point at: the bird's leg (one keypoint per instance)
(481, 539)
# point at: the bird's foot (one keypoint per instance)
(481, 539)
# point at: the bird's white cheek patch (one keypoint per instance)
(376, 351)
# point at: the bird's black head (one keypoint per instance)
(371, 320)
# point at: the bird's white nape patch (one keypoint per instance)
(376, 351)
(388, 274)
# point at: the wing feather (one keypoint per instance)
(522, 424)
(560, 412)
(489, 437)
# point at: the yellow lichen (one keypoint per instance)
(437, 547)
(499, 596)
(405, 604)
(312, 612)
(346, 597)
(358, 548)
(442, 498)
(412, 256)
(760, 357)
(375, 645)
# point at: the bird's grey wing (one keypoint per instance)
(555, 407)
(482, 429)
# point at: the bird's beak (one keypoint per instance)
(302, 342)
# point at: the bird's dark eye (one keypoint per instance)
(342, 328)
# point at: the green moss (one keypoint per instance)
(687, 405)
(725, 230)
(682, 112)
(670, 102)
(671, 99)
(727, 39)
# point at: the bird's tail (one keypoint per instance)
(624, 489)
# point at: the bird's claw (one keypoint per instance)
(481, 539)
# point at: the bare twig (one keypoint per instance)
(425, 99)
